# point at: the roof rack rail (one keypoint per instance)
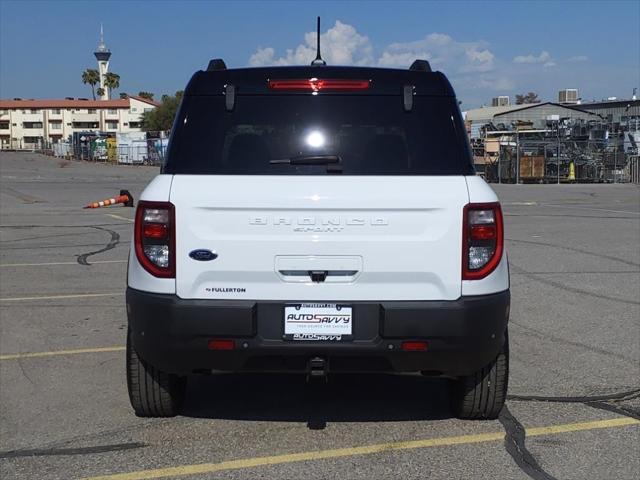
(420, 66)
(216, 64)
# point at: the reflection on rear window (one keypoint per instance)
(372, 135)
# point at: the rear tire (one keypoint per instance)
(481, 395)
(152, 393)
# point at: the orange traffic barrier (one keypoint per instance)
(125, 198)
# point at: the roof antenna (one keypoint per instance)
(318, 62)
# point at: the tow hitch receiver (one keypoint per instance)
(317, 369)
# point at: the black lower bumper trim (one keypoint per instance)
(462, 335)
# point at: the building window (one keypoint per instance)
(91, 110)
(32, 125)
(135, 124)
(148, 109)
(34, 110)
(55, 126)
(3, 112)
(134, 109)
(55, 111)
(112, 111)
(85, 125)
(112, 125)
(4, 125)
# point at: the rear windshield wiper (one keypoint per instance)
(307, 160)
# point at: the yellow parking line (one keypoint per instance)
(16, 356)
(57, 263)
(113, 215)
(354, 451)
(56, 297)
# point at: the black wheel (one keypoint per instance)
(152, 393)
(481, 395)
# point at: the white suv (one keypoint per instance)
(318, 219)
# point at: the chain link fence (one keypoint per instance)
(149, 151)
(557, 161)
(500, 160)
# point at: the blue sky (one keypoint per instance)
(486, 48)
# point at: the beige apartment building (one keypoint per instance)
(32, 124)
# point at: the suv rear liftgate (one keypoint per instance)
(318, 219)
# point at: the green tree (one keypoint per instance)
(100, 91)
(530, 97)
(161, 117)
(111, 81)
(124, 95)
(147, 95)
(91, 77)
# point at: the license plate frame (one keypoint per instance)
(333, 322)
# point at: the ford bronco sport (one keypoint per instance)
(317, 220)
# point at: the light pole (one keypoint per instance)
(517, 156)
(558, 150)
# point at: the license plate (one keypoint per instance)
(318, 322)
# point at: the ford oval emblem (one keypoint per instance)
(203, 255)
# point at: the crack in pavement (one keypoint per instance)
(609, 402)
(562, 286)
(53, 227)
(612, 407)
(577, 399)
(115, 239)
(514, 444)
(24, 197)
(515, 438)
(568, 216)
(42, 452)
(574, 249)
(553, 338)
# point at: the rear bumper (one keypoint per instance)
(172, 334)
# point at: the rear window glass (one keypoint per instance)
(369, 135)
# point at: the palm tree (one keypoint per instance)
(111, 81)
(91, 77)
(100, 91)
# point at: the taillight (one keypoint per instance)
(482, 239)
(155, 238)
(318, 84)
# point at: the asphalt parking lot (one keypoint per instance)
(575, 356)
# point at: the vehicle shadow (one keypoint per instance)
(344, 398)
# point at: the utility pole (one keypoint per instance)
(615, 161)
(558, 149)
(517, 156)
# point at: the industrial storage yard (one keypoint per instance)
(574, 384)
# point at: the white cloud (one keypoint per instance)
(442, 51)
(578, 58)
(544, 57)
(343, 45)
(473, 69)
(263, 56)
(492, 81)
(340, 45)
